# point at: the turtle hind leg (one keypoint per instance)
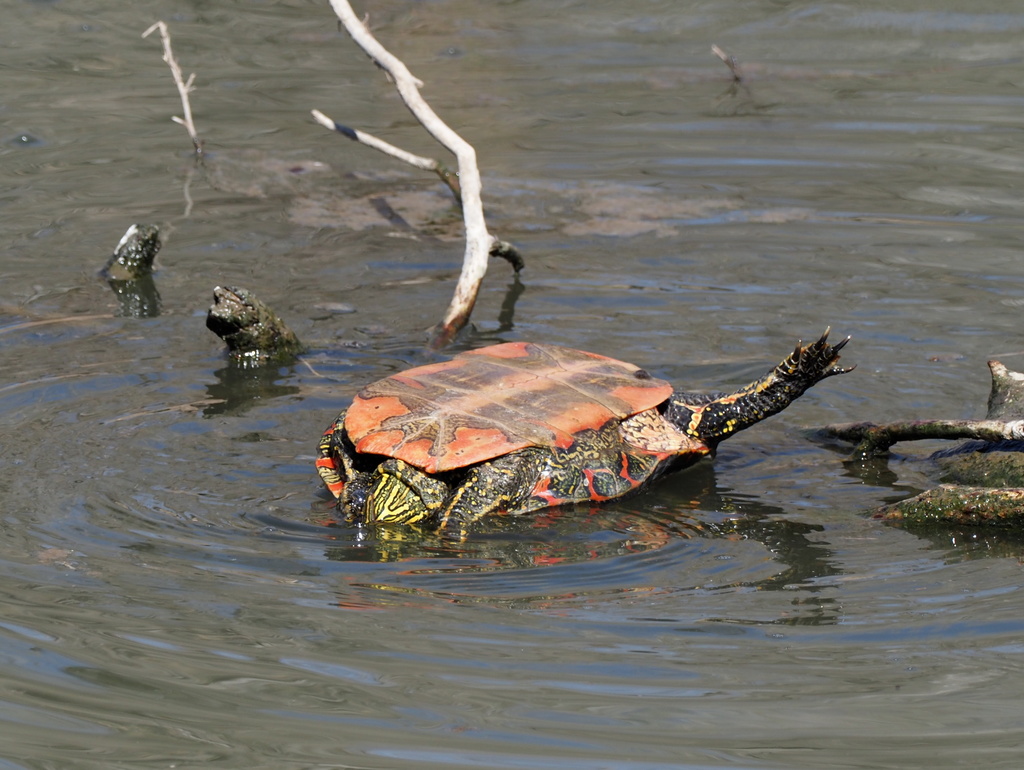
(718, 419)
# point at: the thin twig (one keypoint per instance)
(418, 161)
(478, 240)
(192, 406)
(184, 87)
(47, 321)
(730, 61)
(426, 164)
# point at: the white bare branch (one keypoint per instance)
(729, 61)
(418, 161)
(478, 240)
(426, 164)
(184, 88)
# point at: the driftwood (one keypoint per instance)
(184, 87)
(254, 333)
(875, 440)
(985, 476)
(467, 187)
(464, 183)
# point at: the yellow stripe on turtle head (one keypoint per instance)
(392, 502)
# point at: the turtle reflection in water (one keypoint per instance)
(521, 426)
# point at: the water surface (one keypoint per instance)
(173, 596)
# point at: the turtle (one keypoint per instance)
(255, 334)
(129, 272)
(520, 426)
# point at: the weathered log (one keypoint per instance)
(964, 506)
(985, 476)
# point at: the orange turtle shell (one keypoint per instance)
(488, 402)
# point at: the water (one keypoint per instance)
(172, 596)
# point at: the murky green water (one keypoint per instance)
(170, 596)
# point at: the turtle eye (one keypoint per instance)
(642, 374)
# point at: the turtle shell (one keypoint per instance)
(488, 402)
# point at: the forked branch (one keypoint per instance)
(184, 87)
(426, 164)
(479, 241)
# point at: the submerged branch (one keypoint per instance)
(184, 87)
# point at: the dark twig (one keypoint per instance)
(877, 439)
(509, 253)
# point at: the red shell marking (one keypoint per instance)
(489, 402)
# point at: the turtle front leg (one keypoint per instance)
(398, 493)
(333, 460)
(499, 485)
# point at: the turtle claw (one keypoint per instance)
(833, 370)
(817, 360)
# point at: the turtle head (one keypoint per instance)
(235, 312)
(398, 493)
(134, 255)
(250, 329)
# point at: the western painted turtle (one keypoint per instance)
(522, 426)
